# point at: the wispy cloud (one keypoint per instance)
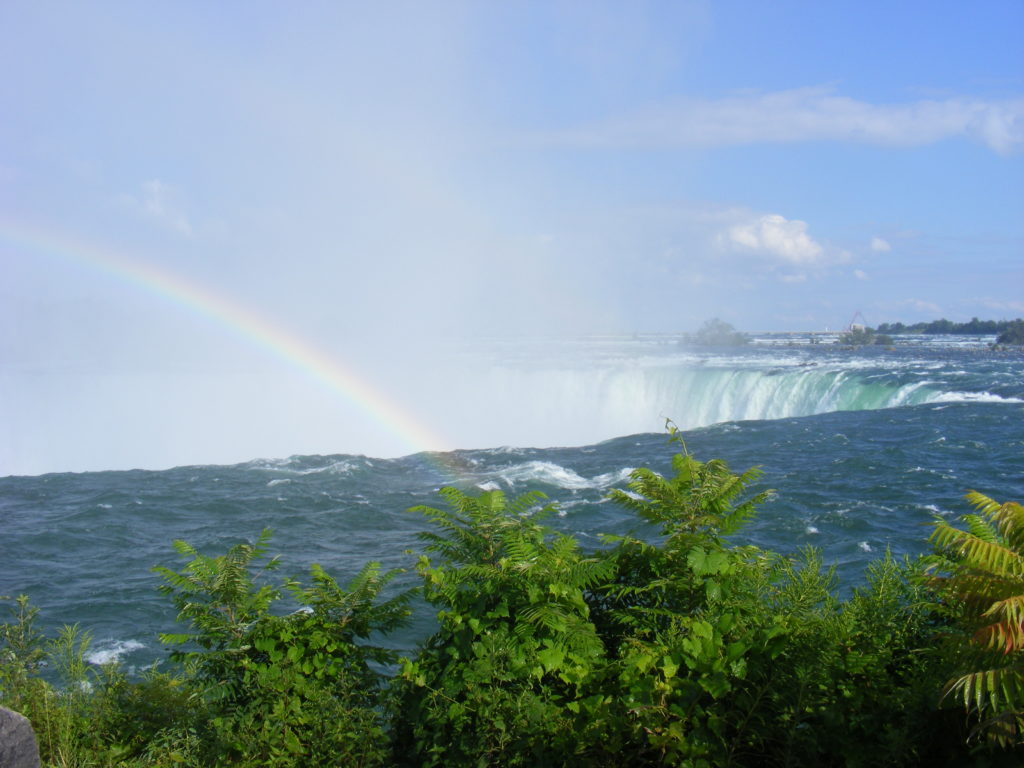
(811, 114)
(160, 202)
(1003, 306)
(878, 245)
(919, 305)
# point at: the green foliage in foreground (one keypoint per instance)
(674, 647)
(980, 573)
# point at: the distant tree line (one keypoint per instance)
(974, 325)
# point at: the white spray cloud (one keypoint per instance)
(813, 114)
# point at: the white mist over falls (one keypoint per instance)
(584, 391)
(526, 393)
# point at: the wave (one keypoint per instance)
(308, 465)
(549, 473)
(973, 397)
(113, 651)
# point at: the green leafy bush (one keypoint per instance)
(500, 682)
(680, 650)
(295, 689)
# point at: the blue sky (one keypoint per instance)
(373, 173)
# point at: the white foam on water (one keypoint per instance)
(557, 475)
(265, 464)
(505, 449)
(810, 529)
(903, 394)
(278, 481)
(865, 546)
(544, 472)
(973, 397)
(335, 468)
(293, 466)
(611, 478)
(564, 507)
(112, 652)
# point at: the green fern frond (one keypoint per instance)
(989, 690)
(982, 570)
(1004, 636)
(992, 556)
(981, 528)
(699, 498)
(1008, 517)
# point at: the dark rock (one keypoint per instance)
(18, 748)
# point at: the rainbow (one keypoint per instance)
(259, 330)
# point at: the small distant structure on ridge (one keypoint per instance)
(854, 326)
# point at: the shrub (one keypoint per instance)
(716, 333)
(500, 681)
(1013, 334)
(296, 689)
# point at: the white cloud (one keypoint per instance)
(879, 245)
(860, 274)
(1003, 306)
(923, 306)
(777, 237)
(813, 114)
(160, 202)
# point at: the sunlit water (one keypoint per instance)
(864, 448)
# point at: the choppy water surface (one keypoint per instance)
(864, 448)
